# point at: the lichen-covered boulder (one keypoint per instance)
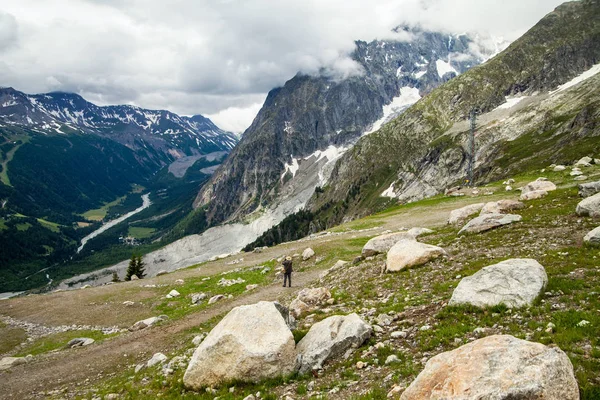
(251, 343)
(539, 184)
(486, 222)
(410, 253)
(516, 283)
(496, 367)
(331, 338)
(590, 206)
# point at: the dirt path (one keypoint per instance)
(67, 368)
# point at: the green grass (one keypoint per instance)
(139, 232)
(54, 227)
(58, 341)
(10, 338)
(9, 156)
(3, 224)
(99, 213)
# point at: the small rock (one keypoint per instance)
(251, 287)
(360, 365)
(559, 168)
(198, 339)
(399, 334)
(307, 254)
(391, 359)
(583, 323)
(533, 195)
(128, 303)
(173, 293)
(158, 358)
(198, 297)
(425, 328)
(80, 342)
(216, 298)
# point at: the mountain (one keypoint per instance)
(162, 135)
(525, 119)
(310, 121)
(62, 157)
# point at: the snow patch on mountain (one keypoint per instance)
(291, 168)
(443, 68)
(580, 78)
(408, 96)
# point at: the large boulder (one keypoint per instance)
(460, 215)
(251, 343)
(488, 221)
(410, 253)
(497, 367)
(383, 243)
(516, 283)
(590, 206)
(593, 237)
(589, 189)
(331, 338)
(540, 184)
(418, 231)
(501, 206)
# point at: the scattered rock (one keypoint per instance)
(216, 298)
(580, 178)
(539, 184)
(589, 189)
(162, 272)
(383, 243)
(80, 342)
(251, 343)
(158, 358)
(593, 237)
(145, 323)
(128, 303)
(590, 206)
(399, 334)
(489, 221)
(198, 297)
(559, 168)
(331, 338)
(179, 281)
(391, 359)
(173, 293)
(533, 195)
(9, 362)
(516, 283)
(198, 339)
(314, 296)
(410, 253)
(497, 367)
(307, 254)
(576, 173)
(585, 162)
(230, 282)
(462, 214)
(298, 308)
(251, 287)
(134, 278)
(501, 206)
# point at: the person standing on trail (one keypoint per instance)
(287, 271)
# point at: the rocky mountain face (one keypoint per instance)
(526, 119)
(304, 126)
(158, 135)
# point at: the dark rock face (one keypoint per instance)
(162, 135)
(310, 113)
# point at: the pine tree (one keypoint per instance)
(131, 268)
(139, 267)
(115, 277)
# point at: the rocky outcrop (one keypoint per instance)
(497, 367)
(501, 206)
(460, 215)
(331, 338)
(410, 253)
(251, 343)
(516, 283)
(383, 243)
(589, 207)
(589, 189)
(488, 221)
(593, 236)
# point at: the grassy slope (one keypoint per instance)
(550, 232)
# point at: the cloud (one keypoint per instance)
(216, 57)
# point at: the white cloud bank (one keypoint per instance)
(214, 57)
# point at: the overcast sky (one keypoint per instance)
(218, 58)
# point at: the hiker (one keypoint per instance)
(287, 271)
